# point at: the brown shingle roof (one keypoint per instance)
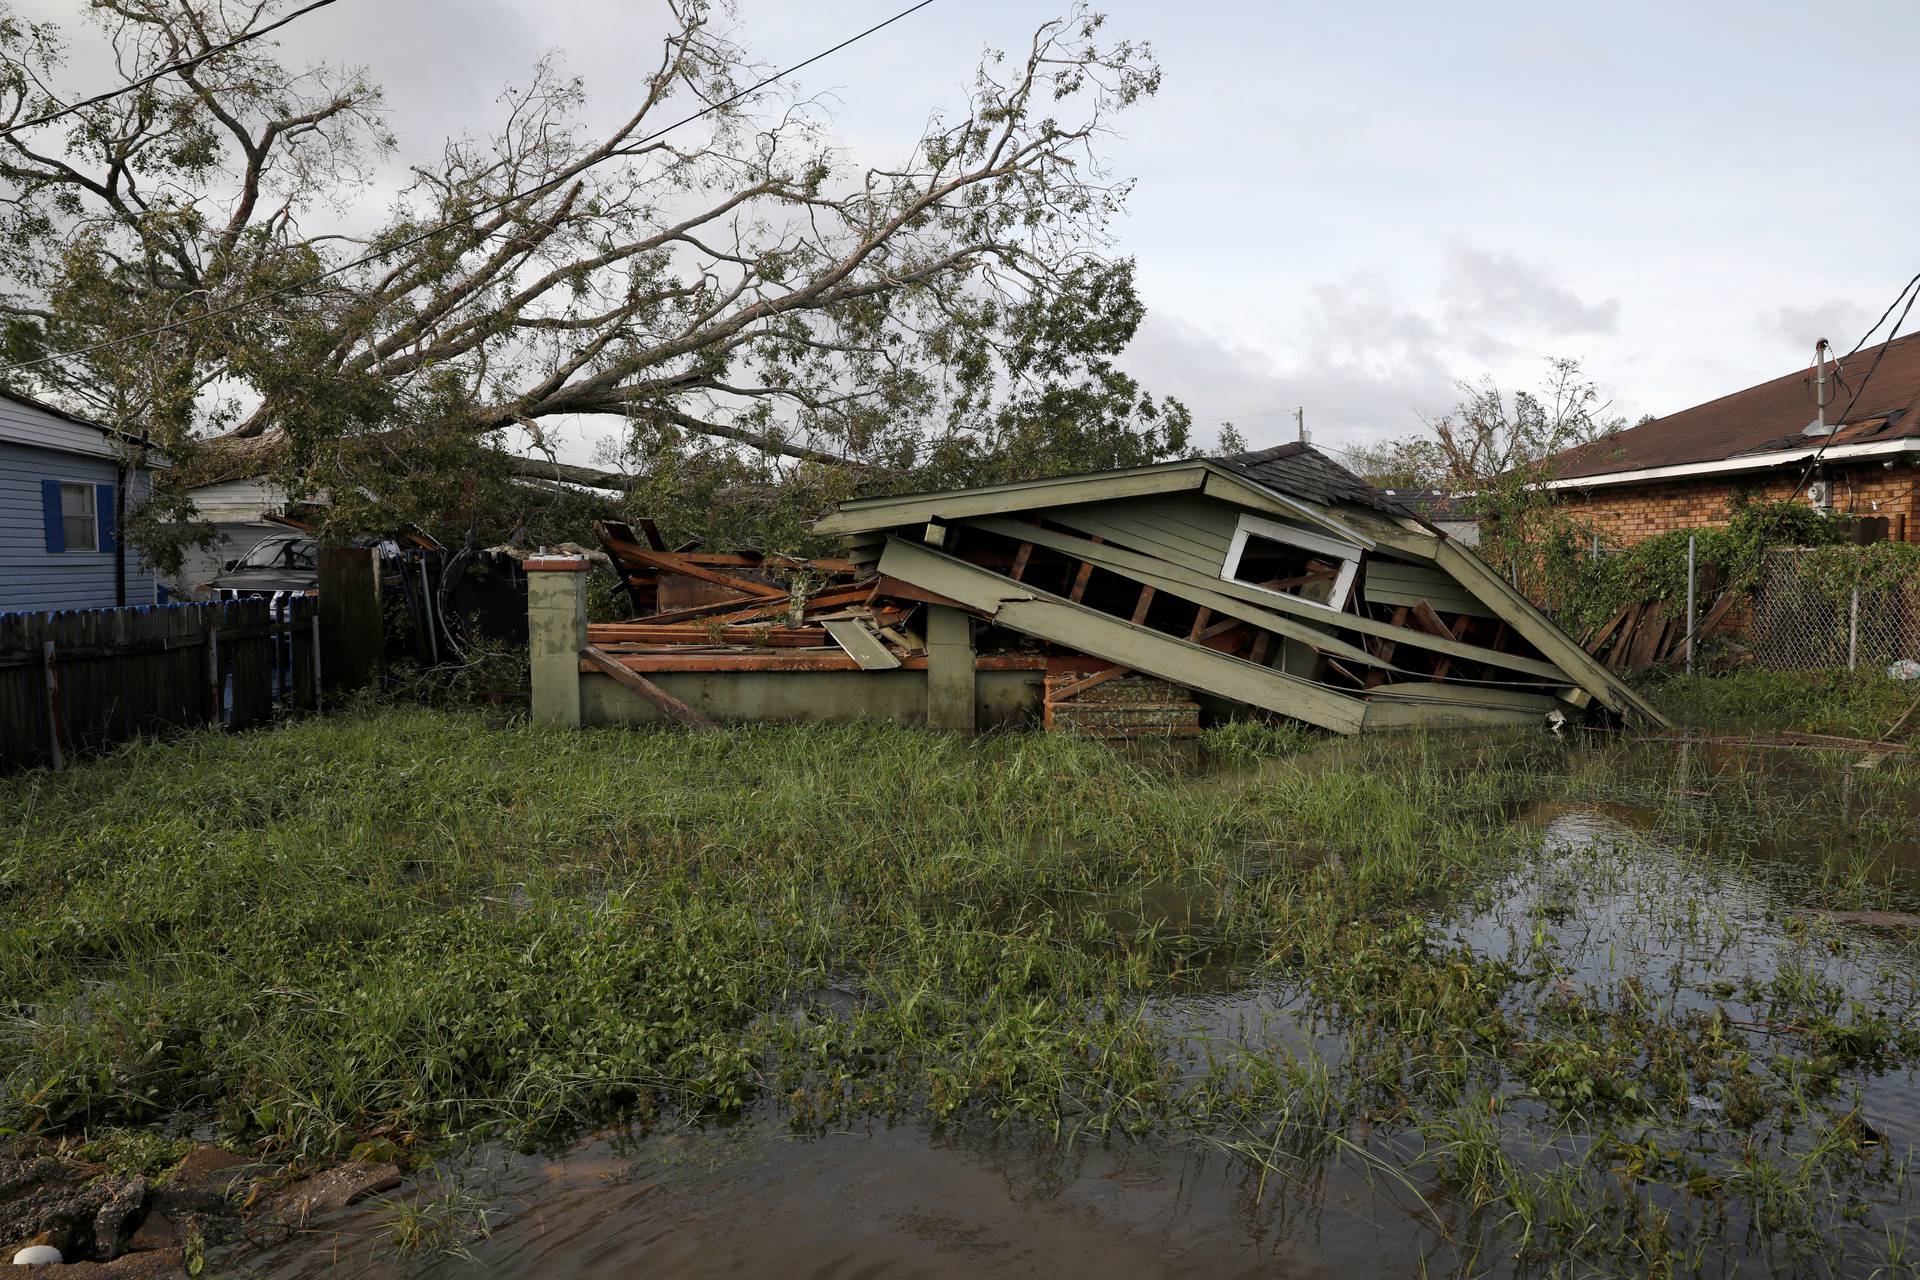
(1304, 472)
(1767, 418)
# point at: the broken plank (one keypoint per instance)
(1387, 714)
(710, 609)
(1607, 629)
(891, 586)
(862, 645)
(1539, 631)
(1079, 687)
(607, 664)
(632, 633)
(1435, 625)
(1716, 615)
(1086, 573)
(1431, 621)
(1646, 641)
(1623, 642)
(672, 562)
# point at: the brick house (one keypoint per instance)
(1682, 471)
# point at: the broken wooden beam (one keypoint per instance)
(676, 710)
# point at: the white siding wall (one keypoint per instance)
(33, 578)
(231, 541)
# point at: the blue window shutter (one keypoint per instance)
(103, 514)
(50, 515)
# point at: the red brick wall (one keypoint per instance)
(1627, 513)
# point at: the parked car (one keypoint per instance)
(281, 563)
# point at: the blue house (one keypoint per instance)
(63, 481)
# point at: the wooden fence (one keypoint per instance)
(77, 681)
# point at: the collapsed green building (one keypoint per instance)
(1270, 582)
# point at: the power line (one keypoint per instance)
(373, 255)
(1841, 419)
(163, 72)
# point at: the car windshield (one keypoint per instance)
(280, 553)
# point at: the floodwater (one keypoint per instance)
(1698, 875)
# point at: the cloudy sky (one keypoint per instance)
(1349, 208)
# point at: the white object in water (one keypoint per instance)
(38, 1255)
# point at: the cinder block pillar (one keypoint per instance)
(556, 633)
(949, 669)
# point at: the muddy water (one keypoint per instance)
(1696, 874)
(753, 1200)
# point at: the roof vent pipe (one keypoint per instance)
(1819, 427)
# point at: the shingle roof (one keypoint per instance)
(1434, 504)
(1767, 418)
(1304, 472)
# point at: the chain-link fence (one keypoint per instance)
(1801, 622)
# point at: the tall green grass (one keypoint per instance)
(425, 919)
(1862, 704)
(432, 925)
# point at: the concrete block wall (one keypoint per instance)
(949, 694)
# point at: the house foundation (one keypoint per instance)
(953, 687)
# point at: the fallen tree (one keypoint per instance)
(178, 266)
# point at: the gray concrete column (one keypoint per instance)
(949, 669)
(556, 633)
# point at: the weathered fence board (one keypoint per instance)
(352, 640)
(78, 681)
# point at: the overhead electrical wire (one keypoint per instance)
(1910, 294)
(373, 255)
(163, 72)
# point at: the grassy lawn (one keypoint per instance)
(405, 927)
(1834, 702)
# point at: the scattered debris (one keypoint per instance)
(336, 1188)
(1647, 634)
(1811, 741)
(1878, 919)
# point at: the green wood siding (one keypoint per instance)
(1037, 495)
(1186, 583)
(1405, 584)
(1048, 617)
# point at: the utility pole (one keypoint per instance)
(1300, 420)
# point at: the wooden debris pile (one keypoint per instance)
(1650, 633)
(759, 612)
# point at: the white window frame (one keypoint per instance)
(1347, 553)
(93, 500)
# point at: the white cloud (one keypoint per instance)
(1368, 355)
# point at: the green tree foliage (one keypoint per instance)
(755, 310)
